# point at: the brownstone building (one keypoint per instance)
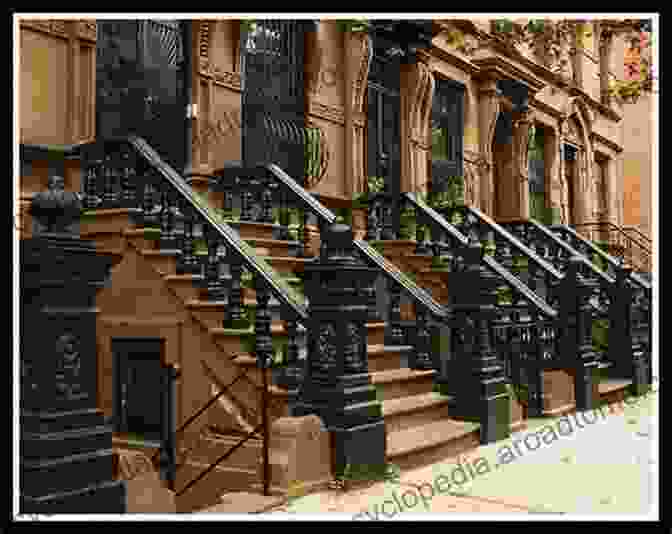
(530, 132)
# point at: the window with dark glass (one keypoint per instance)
(538, 209)
(447, 124)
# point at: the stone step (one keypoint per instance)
(387, 357)
(431, 442)
(396, 383)
(254, 230)
(273, 247)
(208, 490)
(375, 332)
(413, 411)
(213, 446)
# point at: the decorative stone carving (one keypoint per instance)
(472, 173)
(315, 63)
(323, 111)
(54, 27)
(87, 29)
(230, 79)
(204, 37)
(419, 106)
(353, 361)
(489, 107)
(358, 56)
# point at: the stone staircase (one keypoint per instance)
(416, 417)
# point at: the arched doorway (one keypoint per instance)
(502, 153)
(574, 155)
(140, 84)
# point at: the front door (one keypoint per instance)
(139, 84)
(138, 387)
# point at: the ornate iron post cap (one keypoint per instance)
(339, 238)
(56, 210)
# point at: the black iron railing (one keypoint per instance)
(625, 243)
(636, 319)
(526, 328)
(128, 173)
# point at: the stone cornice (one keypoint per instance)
(604, 110)
(495, 65)
(594, 136)
(329, 113)
(543, 106)
(454, 58)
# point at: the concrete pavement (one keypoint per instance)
(597, 462)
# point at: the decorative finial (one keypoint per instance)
(55, 210)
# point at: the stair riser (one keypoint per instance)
(439, 453)
(244, 457)
(67, 476)
(254, 230)
(406, 388)
(106, 241)
(112, 221)
(207, 491)
(415, 418)
(386, 361)
(375, 336)
(285, 267)
(271, 249)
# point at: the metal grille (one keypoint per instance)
(273, 95)
(169, 37)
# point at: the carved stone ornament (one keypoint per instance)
(56, 210)
(353, 356)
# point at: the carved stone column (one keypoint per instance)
(489, 107)
(358, 53)
(553, 177)
(417, 107)
(521, 142)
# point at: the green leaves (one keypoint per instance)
(353, 25)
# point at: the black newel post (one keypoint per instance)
(337, 386)
(168, 458)
(578, 346)
(66, 445)
(475, 374)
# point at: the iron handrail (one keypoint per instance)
(643, 283)
(391, 272)
(244, 252)
(604, 278)
(646, 239)
(620, 230)
(515, 242)
(512, 281)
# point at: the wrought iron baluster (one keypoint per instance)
(110, 181)
(372, 221)
(268, 185)
(388, 230)
(235, 317)
(394, 334)
(128, 180)
(213, 279)
(263, 347)
(188, 262)
(423, 344)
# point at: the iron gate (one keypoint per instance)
(139, 84)
(273, 95)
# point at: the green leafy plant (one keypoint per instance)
(600, 334)
(313, 152)
(375, 185)
(248, 25)
(387, 472)
(353, 25)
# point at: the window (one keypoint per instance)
(447, 124)
(536, 171)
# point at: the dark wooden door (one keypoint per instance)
(384, 105)
(139, 84)
(139, 394)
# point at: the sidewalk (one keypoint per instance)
(598, 462)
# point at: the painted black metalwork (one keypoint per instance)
(140, 83)
(273, 104)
